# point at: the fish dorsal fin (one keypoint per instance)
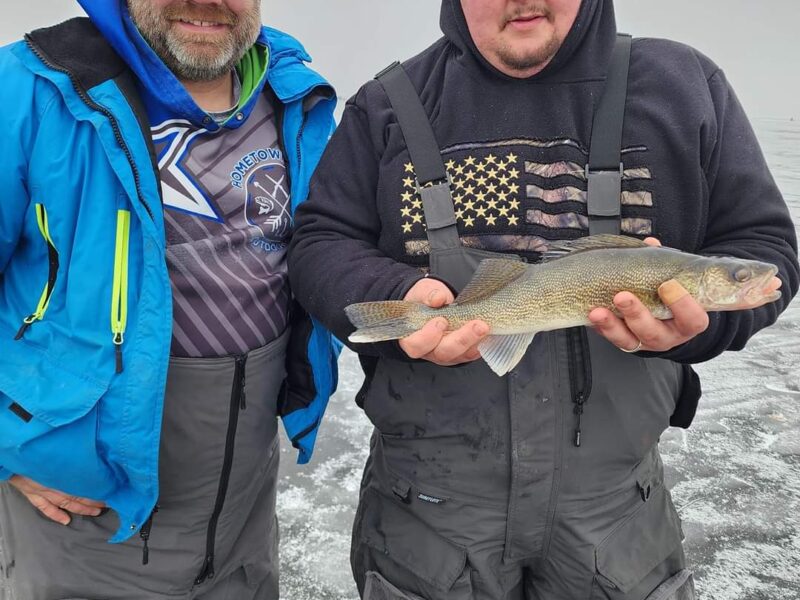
(491, 275)
(503, 352)
(593, 242)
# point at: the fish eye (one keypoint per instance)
(742, 274)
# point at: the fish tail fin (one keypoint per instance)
(382, 321)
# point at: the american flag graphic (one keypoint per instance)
(504, 202)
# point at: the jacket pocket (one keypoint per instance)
(37, 396)
(640, 543)
(678, 587)
(52, 273)
(396, 536)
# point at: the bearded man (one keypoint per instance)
(506, 137)
(151, 162)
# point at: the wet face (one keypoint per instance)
(199, 40)
(519, 37)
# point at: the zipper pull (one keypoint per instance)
(207, 570)
(26, 322)
(144, 533)
(579, 402)
(118, 352)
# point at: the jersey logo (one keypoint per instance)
(173, 140)
(267, 205)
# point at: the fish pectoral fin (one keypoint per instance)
(503, 352)
(593, 242)
(491, 275)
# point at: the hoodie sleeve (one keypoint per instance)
(334, 259)
(747, 218)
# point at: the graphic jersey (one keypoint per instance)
(228, 221)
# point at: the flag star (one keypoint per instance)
(416, 218)
(417, 204)
(511, 158)
(469, 221)
(481, 211)
(470, 205)
(481, 180)
(480, 196)
(469, 161)
(491, 159)
(513, 173)
(470, 190)
(450, 164)
(459, 170)
(491, 188)
(458, 198)
(502, 196)
(513, 189)
(492, 173)
(480, 167)
(406, 212)
(458, 183)
(513, 220)
(503, 211)
(503, 179)
(470, 175)
(492, 203)
(491, 220)
(406, 227)
(514, 204)
(459, 214)
(408, 182)
(409, 168)
(407, 196)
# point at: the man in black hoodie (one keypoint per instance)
(546, 483)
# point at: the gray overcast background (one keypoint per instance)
(755, 42)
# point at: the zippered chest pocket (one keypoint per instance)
(52, 273)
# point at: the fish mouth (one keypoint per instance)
(756, 292)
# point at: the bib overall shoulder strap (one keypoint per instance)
(605, 171)
(433, 183)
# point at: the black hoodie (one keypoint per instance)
(694, 174)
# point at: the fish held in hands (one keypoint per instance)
(518, 300)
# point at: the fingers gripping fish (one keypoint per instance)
(518, 300)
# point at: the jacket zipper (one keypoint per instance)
(119, 294)
(300, 141)
(52, 255)
(237, 395)
(580, 371)
(144, 534)
(84, 96)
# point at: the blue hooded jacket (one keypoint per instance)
(83, 276)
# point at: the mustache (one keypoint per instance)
(200, 12)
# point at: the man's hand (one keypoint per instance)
(638, 329)
(53, 504)
(432, 342)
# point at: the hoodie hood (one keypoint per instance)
(584, 53)
(165, 96)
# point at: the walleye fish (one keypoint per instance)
(518, 300)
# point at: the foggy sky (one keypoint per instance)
(754, 42)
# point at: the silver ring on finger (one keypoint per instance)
(638, 347)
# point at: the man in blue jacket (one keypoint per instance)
(152, 159)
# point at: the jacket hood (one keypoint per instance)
(584, 53)
(166, 97)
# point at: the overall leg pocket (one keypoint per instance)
(641, 552)
(391, 542)
(678, 587)
(377, 588)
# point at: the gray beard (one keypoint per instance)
(177, 53)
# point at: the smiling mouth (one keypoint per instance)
(203, 24)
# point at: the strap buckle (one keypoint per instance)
(604, 191)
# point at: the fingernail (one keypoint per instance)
(626, 303)
(671, 291)
(432, 296)
(441, 324)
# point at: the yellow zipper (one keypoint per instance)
(47, 292)
(119, 293)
